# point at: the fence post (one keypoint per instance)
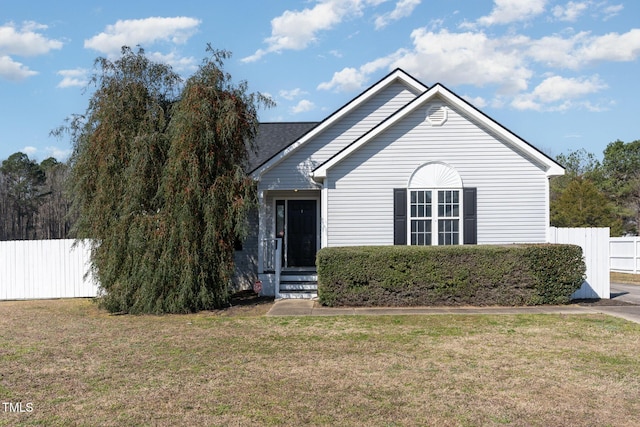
(635, 255)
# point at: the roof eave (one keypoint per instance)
(550, 166)
(396, 74)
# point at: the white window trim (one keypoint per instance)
(434, 215)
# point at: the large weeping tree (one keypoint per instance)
(158, 181)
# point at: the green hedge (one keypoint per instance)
(449, 275)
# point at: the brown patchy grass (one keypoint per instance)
(78, 365)
(631, 279)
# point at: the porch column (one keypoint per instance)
(324, 210)
(262, 222)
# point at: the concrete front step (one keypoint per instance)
(298, 295)
(299, 277)
(298, 286)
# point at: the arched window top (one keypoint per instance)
(435, 175)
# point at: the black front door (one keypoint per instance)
(301, 233)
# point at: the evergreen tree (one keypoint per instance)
(620, 180)
(581, 204)
(21, 195)
(578, 163)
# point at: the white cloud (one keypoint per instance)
(611, 11)
(177, 62)
(558, 93)
(58, 153)
(583, 49)
(556, 51)
(467, 58)
(14, 71)
(296, 30)
(557, 88)
(571, 11)
(133, 32)
(29, 150)
(26, 40)
(507, 63)
(508, 11)
(451, 58)
(290, 95)
(612, 47)
(478, 101)
(346, 80)
(303, 106)
(403, 9)
(73, 78)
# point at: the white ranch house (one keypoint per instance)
(402, 163)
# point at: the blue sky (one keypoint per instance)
(561, 74)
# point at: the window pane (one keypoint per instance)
(448, 203)
(420, 204)
(280, 218)
(421, 232)
(448, 232)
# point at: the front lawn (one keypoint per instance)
(77, 365)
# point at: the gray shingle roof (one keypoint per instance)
(274, 137)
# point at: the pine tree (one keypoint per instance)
(581, 204)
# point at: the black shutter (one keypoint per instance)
(399, 216)
(470, 216)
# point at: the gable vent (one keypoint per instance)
(437, 115)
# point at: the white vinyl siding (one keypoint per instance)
(293, 171)
(511, 190)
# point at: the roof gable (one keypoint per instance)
(551, 167)
(394, 76)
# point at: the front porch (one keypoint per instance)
(289, 238)
(288, 282)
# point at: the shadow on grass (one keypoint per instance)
(248, 297)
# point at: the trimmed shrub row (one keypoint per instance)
(449, 275)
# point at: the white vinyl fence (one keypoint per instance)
(625, 254)
(595, 247)
(32, 269)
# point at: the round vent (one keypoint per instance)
(437, 115)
